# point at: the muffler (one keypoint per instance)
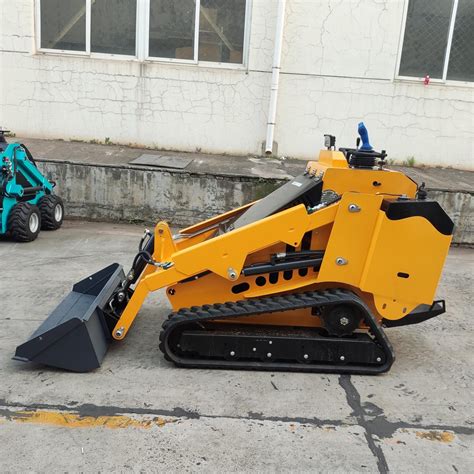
(77, 333)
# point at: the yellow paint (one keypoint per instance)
(73, 420)
(231, 249)
(328, 159)
(442, 436)
(164, 243)
(380, 182)
(376, 250)
(350, 239)
(412, 246)
(222, 253)
(342, 179)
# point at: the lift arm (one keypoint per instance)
(228, 252)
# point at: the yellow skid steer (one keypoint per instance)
(302, 280)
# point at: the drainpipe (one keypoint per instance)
(280, 25)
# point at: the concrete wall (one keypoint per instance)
(460, 207)
(339, 64)
(109, 193)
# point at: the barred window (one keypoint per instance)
(182, 30)
(439, 40)
(461, 60)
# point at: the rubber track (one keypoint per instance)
(257, 306)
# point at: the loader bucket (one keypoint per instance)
(75, 336)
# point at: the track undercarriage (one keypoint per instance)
(199, 336)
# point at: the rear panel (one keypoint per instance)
(406, 256)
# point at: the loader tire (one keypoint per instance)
(24, 222)
(52, 212)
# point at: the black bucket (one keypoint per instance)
(76, 336)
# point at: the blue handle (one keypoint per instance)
(364, 135)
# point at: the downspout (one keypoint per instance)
(280, 26)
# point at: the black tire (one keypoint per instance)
(24, 222)
(52, 212)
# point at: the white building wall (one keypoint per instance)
(339, 64)
(340, 61)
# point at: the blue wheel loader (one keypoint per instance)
(27, 201)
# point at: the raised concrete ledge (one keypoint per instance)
(459, 205)
(111, 193)
(97, 182)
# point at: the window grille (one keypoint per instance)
(210, 31)
(439, 40)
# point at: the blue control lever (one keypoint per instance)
(364, 135)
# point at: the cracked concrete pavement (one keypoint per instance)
(138, 412)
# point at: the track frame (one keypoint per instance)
(185, 318)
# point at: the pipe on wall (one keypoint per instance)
(272, 109)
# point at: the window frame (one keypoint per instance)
(142, 40)
(444, 79)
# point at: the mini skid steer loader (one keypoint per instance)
(27, 201)
(302, 280)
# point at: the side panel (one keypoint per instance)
(350, 239)
(343, 179)
(369, 181)
(404, 264)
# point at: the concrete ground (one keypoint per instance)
(139, 413)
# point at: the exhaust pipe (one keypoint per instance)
(77, 333)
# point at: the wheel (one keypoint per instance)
(341, 320)
(52, 212)
(24, 222)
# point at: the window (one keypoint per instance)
(221, 30)
(113, 26)
(439, 40)
(461, 60)
(173, 30)
(63, 24)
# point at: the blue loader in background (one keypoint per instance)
(27, 201)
